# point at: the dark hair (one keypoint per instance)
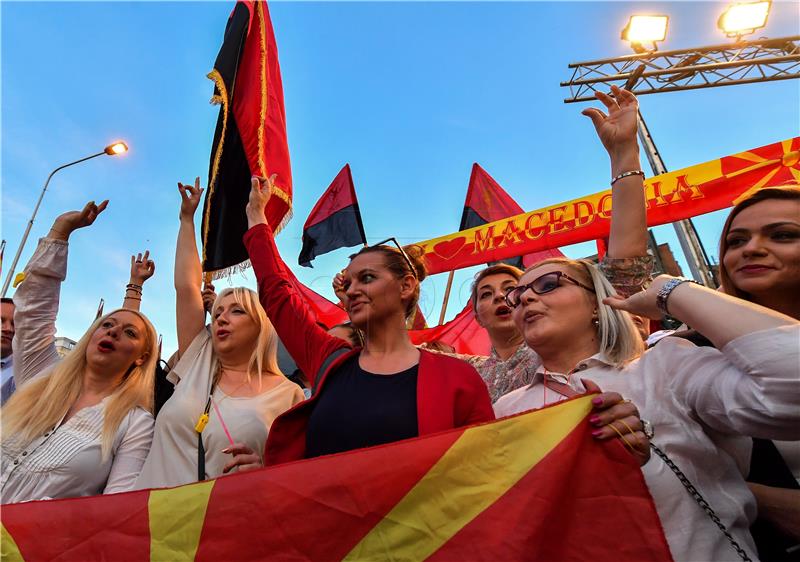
(396, 263)
(786, 192)
(7, 300)
(499, 269)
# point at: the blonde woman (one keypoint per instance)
(80, 426)
(702, 402)
(227, 374)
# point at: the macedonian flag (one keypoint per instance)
(531, 487)
(250, 138)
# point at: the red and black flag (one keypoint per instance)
(250, 138)
(334, 222)
(488, 202)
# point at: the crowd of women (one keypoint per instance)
(707, 399)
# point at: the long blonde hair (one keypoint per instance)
(39, 405)
(265, 352)
(619, 339)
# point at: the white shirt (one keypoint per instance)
(66, 461)
(704, 405)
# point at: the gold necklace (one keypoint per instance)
(228, 395)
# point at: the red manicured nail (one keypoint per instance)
(594, 419)
(597, 433)
(597, 401)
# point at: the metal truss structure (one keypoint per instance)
(746, 62)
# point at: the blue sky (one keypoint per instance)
(409, 93)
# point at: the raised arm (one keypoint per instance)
(617, 132)
(37, 298)
(142, 269)
(307, 343)
(189, 314)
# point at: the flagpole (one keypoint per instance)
(446, 297)
(100, 309)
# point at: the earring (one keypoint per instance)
(596, 322)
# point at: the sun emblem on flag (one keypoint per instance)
(769, 166)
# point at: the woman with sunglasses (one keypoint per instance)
(385, 391)
(698, 399)
(627, 265)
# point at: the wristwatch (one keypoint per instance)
(647, 429)
(666, 290)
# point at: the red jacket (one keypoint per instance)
(450, 393)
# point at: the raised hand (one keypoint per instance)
(142, 268)
(260, 192)
(70, 221)
(617, 130)
(209, 296)
(339, 288)
(190, 199)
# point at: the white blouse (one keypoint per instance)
(705, 405)
(66, 461)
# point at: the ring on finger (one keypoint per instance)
(627, 443)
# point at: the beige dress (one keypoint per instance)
(173, 456)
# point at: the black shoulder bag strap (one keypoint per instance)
(326, 364)
(700, 500)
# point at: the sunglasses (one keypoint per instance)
(542, 285)
(402, 252)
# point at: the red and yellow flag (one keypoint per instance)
(530, 487)
(670, 197)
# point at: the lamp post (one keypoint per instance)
(111, 150)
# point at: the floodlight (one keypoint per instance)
(645, 29)
(744, 18)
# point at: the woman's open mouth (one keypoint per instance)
(105, 346)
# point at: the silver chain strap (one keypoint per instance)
(696, 496)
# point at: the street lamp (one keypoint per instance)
(645, 29)
(744, 18)
(113, 149)
(118, 147)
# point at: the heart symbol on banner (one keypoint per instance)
(448, 249)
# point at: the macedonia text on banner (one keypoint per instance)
(535, 486)
(670, 197)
